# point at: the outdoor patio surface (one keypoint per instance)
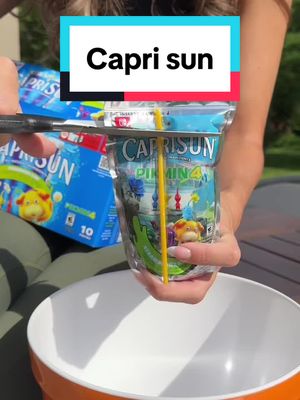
(269, 238)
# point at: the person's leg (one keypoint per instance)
(65, 270)
(81, 263)
(24, 254)
(25, 251)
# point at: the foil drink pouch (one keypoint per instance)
(192, 193)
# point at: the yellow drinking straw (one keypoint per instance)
(162, 195)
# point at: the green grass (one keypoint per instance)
(283, 158)
(279, 172)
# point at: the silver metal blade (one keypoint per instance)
(98, 128)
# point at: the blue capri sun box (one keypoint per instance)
(69, 193)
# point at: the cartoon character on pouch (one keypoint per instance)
(35, 206)
(186, 228)
(171, 236)
(137, 188)
(6, 189)
(187, 231)
(2, 201)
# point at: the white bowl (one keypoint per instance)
(107, 334)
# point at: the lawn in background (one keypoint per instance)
(283, 157)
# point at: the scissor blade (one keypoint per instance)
(24, 123)
(97, 127)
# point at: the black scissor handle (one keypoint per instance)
(21, 123)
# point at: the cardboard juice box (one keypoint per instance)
(71, 192)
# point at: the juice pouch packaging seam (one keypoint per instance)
(192, 190)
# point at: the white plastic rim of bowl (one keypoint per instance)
(107, 334)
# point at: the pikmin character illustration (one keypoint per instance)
(137, 187)
(177, 198)
(188, 229)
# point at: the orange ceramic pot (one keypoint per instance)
(105, 338)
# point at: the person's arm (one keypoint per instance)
(9, 103)
(263, 28)
(36, 144)
(7, 5)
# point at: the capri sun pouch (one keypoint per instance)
(191, 192)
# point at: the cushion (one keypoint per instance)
(24, 254)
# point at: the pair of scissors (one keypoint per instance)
(25, 123)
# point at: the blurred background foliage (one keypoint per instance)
(282, 140)
(34, 40)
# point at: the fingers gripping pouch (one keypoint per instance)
(192, 192)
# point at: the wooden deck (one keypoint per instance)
(270, 245)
